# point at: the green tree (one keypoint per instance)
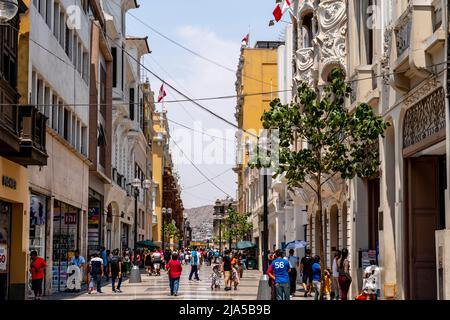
(338, 141)
(171, 231)
(235, 226)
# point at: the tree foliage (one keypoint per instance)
(235, 225)
(319, 137)
(171, 231)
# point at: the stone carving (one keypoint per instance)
(403, 31)
(305, 6)
(424, 119)
(305, 61)
(332, 34)
(385, 58)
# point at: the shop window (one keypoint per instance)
(65, 241)
(38, 223)
(5, 236)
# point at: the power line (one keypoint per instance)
(199, 131)
(202, 183)
(196, 168)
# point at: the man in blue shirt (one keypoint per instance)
(317, 275)
(80, 262)
(195, 259)
(280, 275)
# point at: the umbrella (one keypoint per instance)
(296, 244)
(146, 244)
(242, 245)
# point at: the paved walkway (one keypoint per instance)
(157, 288)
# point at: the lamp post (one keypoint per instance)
(8, 10)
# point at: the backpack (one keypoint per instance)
(194, 258)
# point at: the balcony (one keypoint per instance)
(23, 135)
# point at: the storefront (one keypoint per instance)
(95, 222)
(65, 241)
(5, 239)
(38, 223)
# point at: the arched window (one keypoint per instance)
(307, 30)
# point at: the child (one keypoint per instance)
(326, 284)
(215, 278)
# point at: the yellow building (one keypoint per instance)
(159, 151)
(257, 73)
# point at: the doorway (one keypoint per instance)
(425, 211)
(5, 238)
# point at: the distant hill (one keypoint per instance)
(199, 219)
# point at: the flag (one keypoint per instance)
(277, 13)
(246, 40)
(286, 6)
(162, 93)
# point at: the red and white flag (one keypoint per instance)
(162, 93)
(281, 10)
(246, 40)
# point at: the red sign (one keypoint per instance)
(70, 218)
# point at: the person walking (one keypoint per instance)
(96, 270)
(280, 276)
(174, 269)
(195, 260)
(148, 262)
(227, 269)
(157, 260)
(37, 268)
(344, 274)
(326, 283)
(371, 281)
(235, 271)
(294, 263)
(306, 272)
(104, 255)
(115, 270)
(80, 262)
(335, 275)
(316, 277)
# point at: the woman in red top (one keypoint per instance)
(174, 268)
(37, 274)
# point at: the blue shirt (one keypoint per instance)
(280, 268)
(104, 257)
(78, 262)
(194, 258)
(316, 271)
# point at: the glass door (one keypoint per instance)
(5, 236)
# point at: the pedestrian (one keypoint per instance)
(326, 283)
(227, 269)
(234, 271)
(335, 275)
(195, 260)
(271, 282)
(317, 277)
(96, 270)
(80, 262)
(148, 262)
(167, 256)
(306, 272)
(371, 281)
(37, 268)
(115, 270)
(187, 257)
(215, 277)
(157, 260)
(281, 276)
(294, 263)
(216, 257)
(182, 256)
(174, 270)
(344, 274)
(104, 255)
(127, 261)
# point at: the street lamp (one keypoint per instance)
(137, 184)
(8, 10)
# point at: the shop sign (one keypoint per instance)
(9, 182)
(70, 218)
(3, 257)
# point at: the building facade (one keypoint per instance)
(22, 146)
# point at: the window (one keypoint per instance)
(40, 95)
(307, 31)
(73, 133)
(141, 114)
(48, 13)
(131, 99)
(114, 54)
(365, 34)
(61, 118)
(55, 113)
(85, 66)
(123, 64)
(69, 39)
(47, 102)
(103, 91)
(62, 30)
(84, 141)
(8, 57)
(66, 124)
(56, 20)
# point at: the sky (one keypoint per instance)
(214, 29)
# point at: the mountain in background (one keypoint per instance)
(201, 221)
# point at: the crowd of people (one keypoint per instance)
(326, 284)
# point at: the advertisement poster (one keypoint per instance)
(3, 257)
(93, 229)
(37, 210)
